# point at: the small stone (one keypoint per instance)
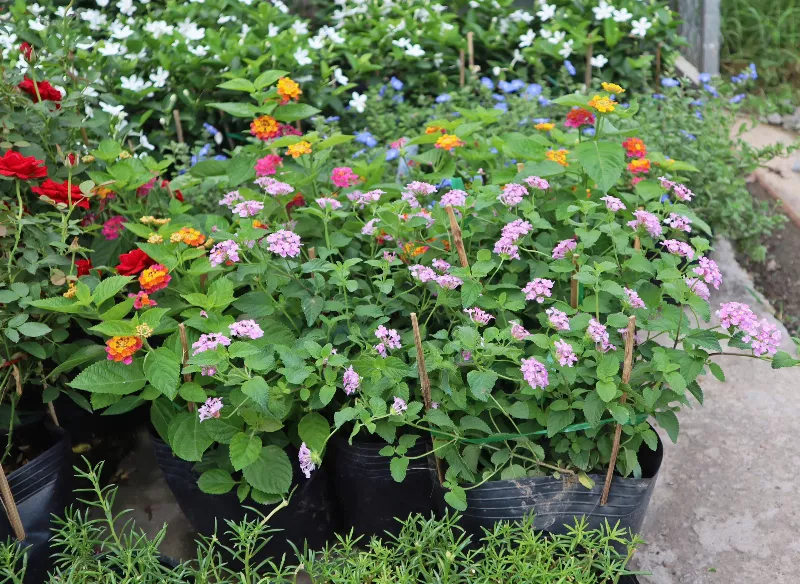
(775, 119)
(796, 166)
(772, 265)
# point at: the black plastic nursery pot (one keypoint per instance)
(369, 498)
(556, 503)
(310, 516)
(41, 488)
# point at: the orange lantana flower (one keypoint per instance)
(121, 349)
(448, 142)
(297, 150)
(602, 104)
(189, 236)
(154, 278)
(288, 89)
(635, 147)
(639, 165)
(545, 126)
(265, 128)
(559, 156)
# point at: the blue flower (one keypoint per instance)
(711, 89)
(543, 101)
(511, 86)
(503, 107)
(211, 129)
(705, 78)
(493, 150)
(533, 90)
(570, 68)
(455, 114)
(665, 198)
(397, 98)
(737, 98)
(444, 98)
(446, 183)
(589, 132)
(670, 82)
(391, 154)
(367, 139)
(498, 97)
(359, 153)
(382, 90)
(396, 84)
(753, 72)
(220, 157)
(697, 103)
(331, 119)
(487, 83)
(688, 136)
(659, 96)
(698, 114)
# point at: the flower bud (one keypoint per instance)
(87, 158)
(28, 52)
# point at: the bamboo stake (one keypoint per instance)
(456, 229)
(11, 507)
(471, 50)
(461, 72)
(425, 385)
(627, 366)
(587, 79)
(312, 253)
(187, 377)
(176, 115)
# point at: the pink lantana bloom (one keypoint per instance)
(224, 251)
(506, 246)
(557, 319)
(210, 409)
(536, 182)
(329, 203)
(516, 229)
(284, 243)
(274, 187)
(563, 248)
(248, 208)
(518, 331)
(363, 199)
(650, 222)
(344, 177)
(440, 265)
(613, 204)
(268, 165)
(209, 342)
(698, 287)
(390, 337)
(351, 380)
(565, 354)
(369, 227)
(680, 248)
(399, 406)
(449, 282)
(709, 271)
(420, 188)
(538, 289)
(599, 334)
(738, 315)
(633, 298)
(535, 373)
(765, 339)
(113, 227)
(248, 329)
(512, 194)
(679, 222)
(454, 198)
(422, 273)
(479, 316)
(306, 460)
(229, 199)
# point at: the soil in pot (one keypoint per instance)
(311, 515)
(556, 503)
(369, 498)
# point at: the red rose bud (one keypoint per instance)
(27, 52)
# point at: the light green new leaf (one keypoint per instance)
(602, 161)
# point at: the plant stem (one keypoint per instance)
(18, 234)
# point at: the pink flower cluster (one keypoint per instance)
(682, 192)
(512, 194)
(229, 199)
(440, 265)
(709, 271)
(613, 204)
(210, 342)
(565, 354)
(422, 273)
(364, 199)
(425, 274)
(247, 329)
(369, 227)
(284, 243)
(599, 334)
(557, 319)
(698, 287)
(633, 298)
(274, 187)
(536, 182)
(268, 165)
(679, 222)
(113, 227)
(344, 177)
(764, 338)
(351, 380)
(210, 409)
(138, 300)
(518, 331)
(455, 198)
(680, 248)
(411, 199)
(535, 373)
(647, 220)
(479, 316)
(329, 203)
(307, 465)
(511, 233)
(224, 251)
(389, 339)
(561, 250)
(420, 188)
(248, 208)
(538, 289)
(399, 406)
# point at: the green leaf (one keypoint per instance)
(160, 254)
(292, 112)
(606, 390)
(332, 141)
(34, 329)
(481, 383)
(216, 482)
(268, 78)
(220, 293)
(111, 377)
(162, 368)
(676, 382)
(608, 366)
(239, 84)
(312, 308)
(780, 360)
(187, 437)
(115, 328)
(255, 304)
(456, 498)
(271, 472)
(244, 450)
(593, 408)
(239, 110)
(558, 420)
(58, 304)
(470, 292)
(257, 390)
(602, 161)
(108, 288)
(191, 392)
(314, 430)
(669, 421)
(398, 468)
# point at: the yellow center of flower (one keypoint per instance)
(288, 89)
(545, 126)
(144, 330)
(448, 142)
(559, 156)
(297, 150)
(155, 238)
(602, 104)
(71, 291)
(612, 88)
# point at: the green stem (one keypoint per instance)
(18, 234)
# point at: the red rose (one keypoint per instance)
(83, 267)
(59, 193)
(133, 262)
(16, 165)
(47, 91)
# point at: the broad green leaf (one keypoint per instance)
(187, 437)
(398, 468)
(239, 110)
(115, 328)
(608, 366)
(669, 421)
(268, 78)
(108, 288)
(602, 161)
(780, 360)
(257, 390)
(456, 498)
(292, 112)
(162, 368)
(111, 377)
(271, 472)
(34, 329)
(216, 482)
(606, 390)
(314, 431)
(481, 383)
(244, 450)
(192, 392)
(239, 84)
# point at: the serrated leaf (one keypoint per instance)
(238, 84)
(780, 360)
(34, 329)
(291, 112)
(456, 498)
(398, 468)
(608, 366)
(602, 161)
(192, 392)
(257, 390)
(606, 390)
(111, 377)
(312, 308)
(481, 383)
(244, 450)
(669, 421)
(108, 288)
(187, 437)
(162, 368)
(314, 430)
(271, 472)
(216, 482)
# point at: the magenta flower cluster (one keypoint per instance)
(648, 220)
(351, 380)
(561, 250)
(613, 204)
(679, 222)
(229, 199)
(399, 406)
(307, 465)
(363, 199)
(682, 192)
(518, 331)
(511, 233)
(512, 194)
(274, 187)
(633, 298)
(534, 373)
(599, 334)
(764, 338)
(248, 208)
(565, 354)
(210, 342)
(390, 339)
(680, 248)
(455, 198)
(558, 319)
(479, 316)
(536, 182)
(328, 203)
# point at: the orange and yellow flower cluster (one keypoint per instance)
(122, 349)
(265, 128)
(154, 278)
(297, 150)
(189, 236)
(448, 142)
(559, 156)
(288, 89)
(545, 126)
(602, 104)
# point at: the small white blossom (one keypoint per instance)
(415, 51)
(603, 10)
(36, 25)
(299, 27)
(112, 49)
(133, 83)
(526, 40)
(566, 49)
(301, 56)
(546, 12)
(199, 50)
(358, 102)
(158, 28)
(402, 43)
(159, 77)
(126, 7)
(640, 27)
(340, 77)
(599, 61)
(622, 15)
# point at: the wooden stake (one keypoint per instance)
(627, 367)
(587, 79)
(471, 50)
(187, 377)
(461, 73)
(11, 507)
(454, 227)
(637, 243)
(573, 284)
(425, 385)
(312, 253)
(176, 115)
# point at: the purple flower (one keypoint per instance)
(680, 248)
(538, 289)
(274, 187)
(679, 222)
(248, 208)
(535, 373)
(449, 282)
(247, 329)
(284, 243)
(455, 198)
(563, 248)
(422, 273)
(381, 349)
(647, 220)
(516, 229)
(633, 298)
(364, 199)
(389, 336)
(210, 342)
(766, 338)
(440, 265)
(224, 250)
(565, 355)
(613, 204)
(351, 380)
(411, 199)
(518, 331)
(599, 334)
(536, 182)
(389, 256)
(512, 194)
(230, 198)
(505, 245)
(328, 202)
(709, 271)
(557, 319)
(208, 371)
(210, 409)
(466, 356)
(399, 406)
(307, 465)
(698, 287)
(369, 227)
(479, 316)
(420, 188)
(736, 314)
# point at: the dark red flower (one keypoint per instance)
(145, 189)
(83, 267)
(60, 193)
(27, 51)
(16, 165)
(133, 262)
(47, 91)
(297, 201)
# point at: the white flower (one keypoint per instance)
(517, 58)
(225, 18)
(393, 28)
(301, 56)
(359, 102)
(566, 49)
(300, 27)
(422, 15)
(415, 51)
(339, 77)
(96, 19)
(218, 138)
(36, 8)
(446, 26)
(8, 40)
(402, 43)
(146, 143)
(557, 37)
(640, 27)
(546, 12)
(191, 31)
(117, 111)
(603, 10)
(474, 4)
(496, 71)
(438, 8)
(159, 28)
(526, 40)
(622, 15)
(61, 12)
(438, 59)
(36, 25)
(112, 49)
(120, 31)
(89, 91)
(133, 83)
(315, 43)
(280, 6)
(85, 46)
(199, 50)
(272, 30)
(159, 77)
(102, 3)
(521, 16)
(126, 7)
(599, 61)
(133, 56)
